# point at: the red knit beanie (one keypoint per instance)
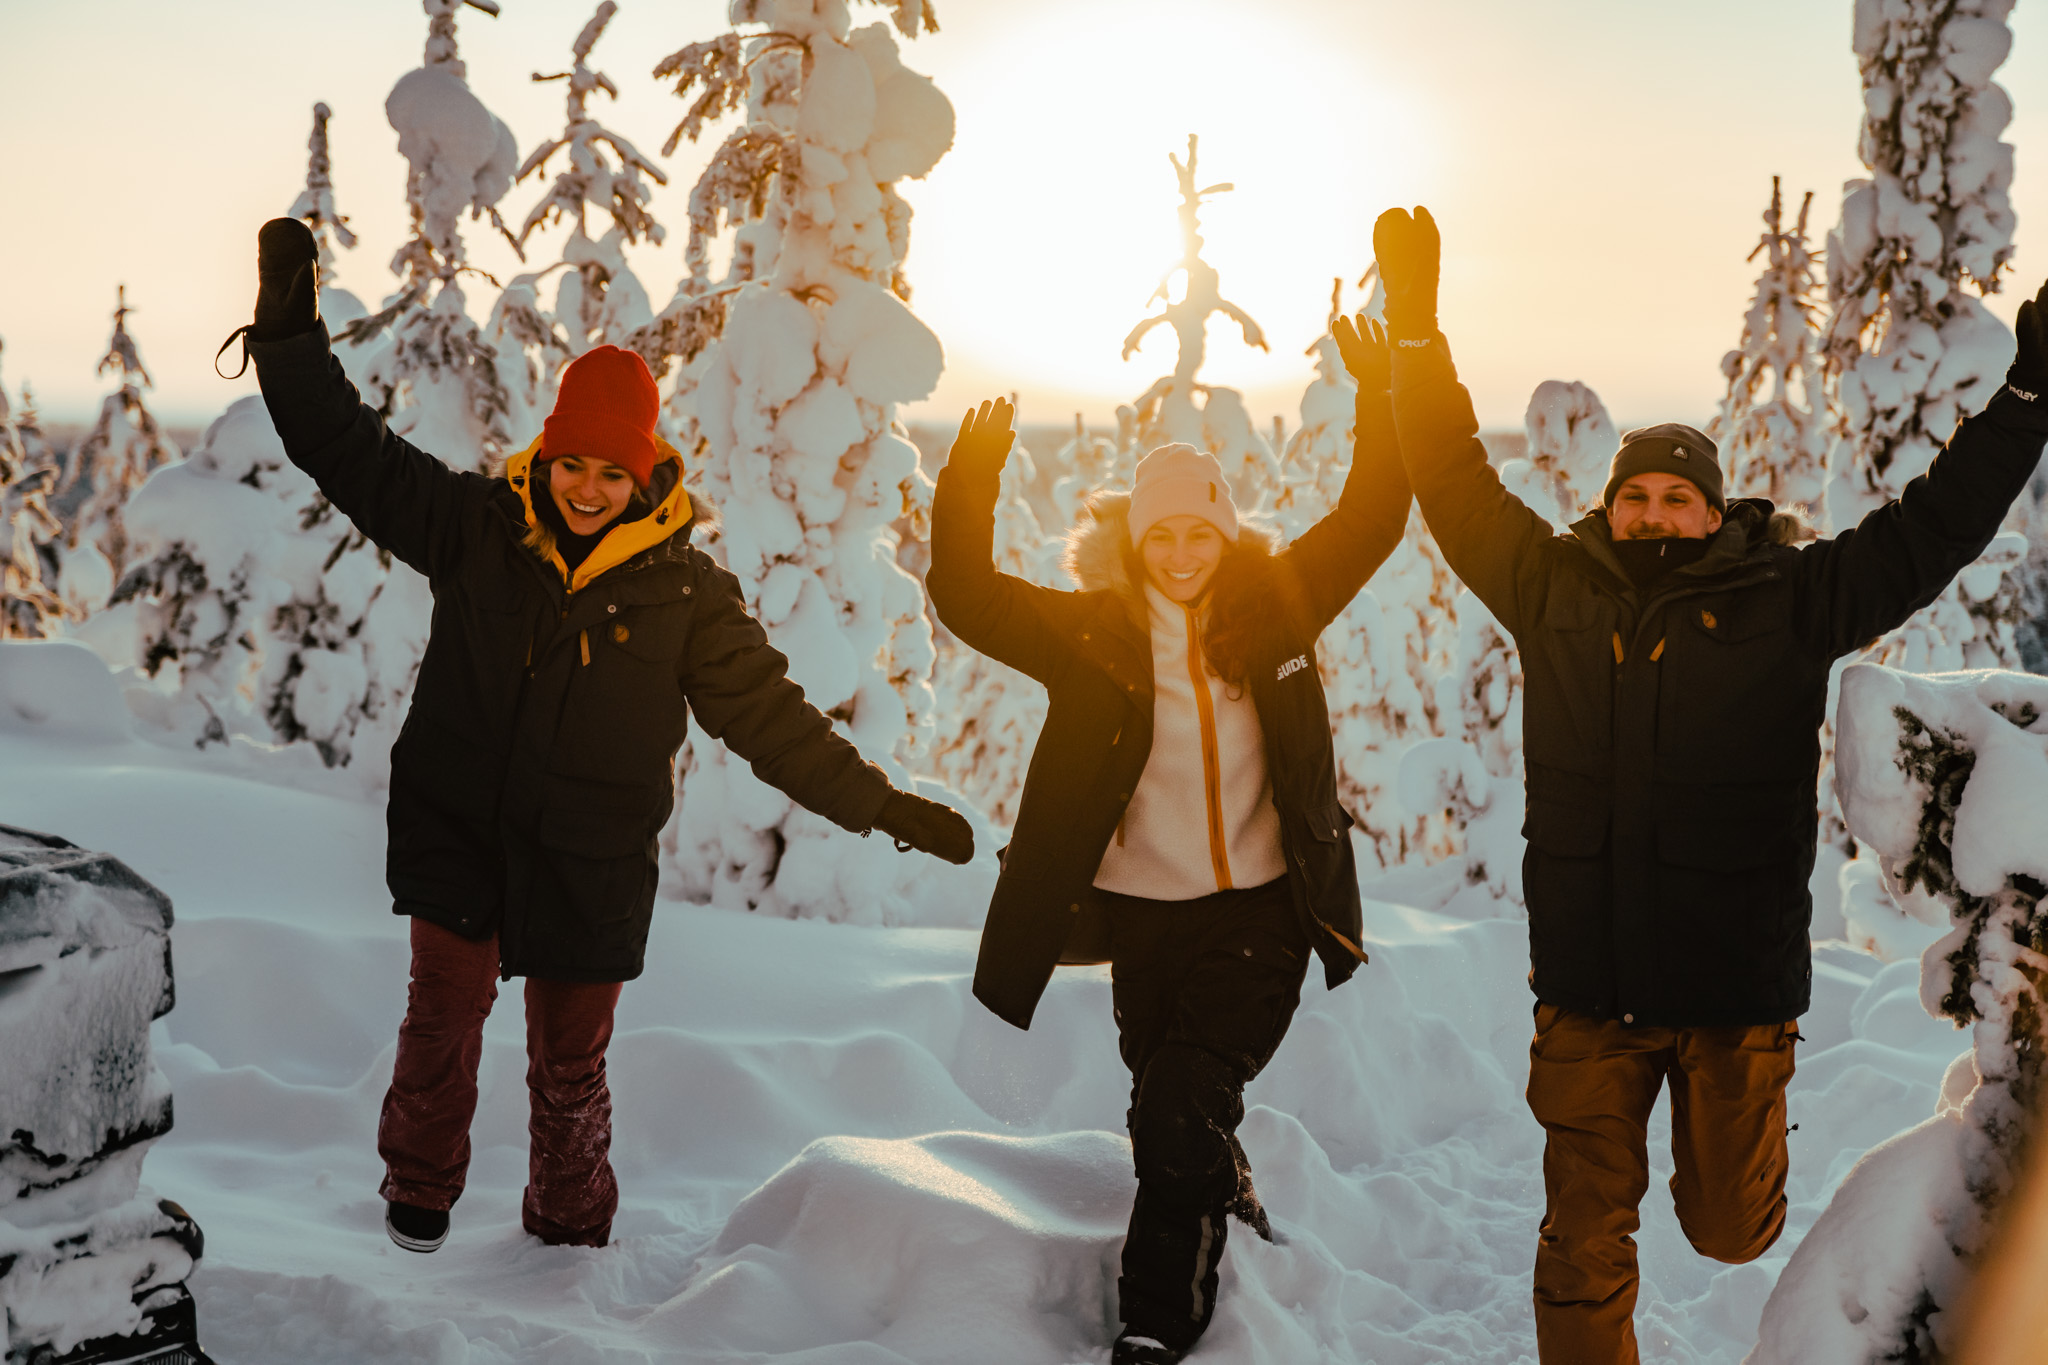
(605, 409)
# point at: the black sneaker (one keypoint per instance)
(1134, 1350)
(415, 1228)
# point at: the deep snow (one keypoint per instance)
(830, 1153)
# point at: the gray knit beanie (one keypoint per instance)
(1668, 448)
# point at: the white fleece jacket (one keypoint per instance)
(1202, 818)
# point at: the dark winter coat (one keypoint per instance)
(536, 764)
(1672, 741)
(1094, 656)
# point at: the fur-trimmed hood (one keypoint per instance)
(1098, 554)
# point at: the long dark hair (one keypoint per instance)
(1248, 588)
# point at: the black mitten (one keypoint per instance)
(287, 281)
(927, 826)
(2028, 376)
(1409, 252)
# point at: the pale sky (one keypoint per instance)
(1598, 167)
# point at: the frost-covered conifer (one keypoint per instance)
(792, 410)
(1772, 426)
(1570, 447)
(1909, 349)
(1316, 459)
(1085, 463)
(437, 380)
(219, 552)
(1944, 778)
(1178, 407)
(599, 300)
(316, 208)
(29, 607)
(125, 444)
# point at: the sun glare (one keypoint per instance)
(1063, 202)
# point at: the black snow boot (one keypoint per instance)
(415, 1228)
(1136, 1350)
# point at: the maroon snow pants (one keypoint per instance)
(423, 1132)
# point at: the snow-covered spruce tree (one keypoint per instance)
(341, 651)
(1944, 778)
(315, 207)
(1178, 407)
(1909, 349)
(1317, 457)
(1570, 446)
(219, 554)
(988, 714)
(599, 299)
(215, 536)
(125, 444)
(1772, 427)
(1084, 463)
(29, 607)
(792, 413)
(437, 381)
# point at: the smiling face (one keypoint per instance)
(589, 493)
(1181, 554)
(1661, 507)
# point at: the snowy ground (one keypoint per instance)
(830, 1153)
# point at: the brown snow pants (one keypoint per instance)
(423, 1132)
(1592, 1085)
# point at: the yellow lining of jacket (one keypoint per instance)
(622, 542)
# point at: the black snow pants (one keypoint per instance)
(1204, 991)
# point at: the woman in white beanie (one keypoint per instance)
(1180, 817)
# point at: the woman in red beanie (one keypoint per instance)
(575, 630)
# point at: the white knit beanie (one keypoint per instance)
(1179, 480)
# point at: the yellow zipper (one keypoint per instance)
(1212, 780)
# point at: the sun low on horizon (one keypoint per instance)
(1056, 233)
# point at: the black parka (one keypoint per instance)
(1095, 659)
(1672, 740)
(536, 764)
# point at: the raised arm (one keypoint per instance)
(1489, 537)
(1335, 557)
(1871, 578)
(402, 498)
(997, 614)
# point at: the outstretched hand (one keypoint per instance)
(926, 826)
(983, 445)
(2028, 376)
(1363, 344)
(1410, 252)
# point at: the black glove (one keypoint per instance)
(2028, 376)
(1363, 344)
(983, 445)
(927, 826)
(287, 281)
(1409, 251)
